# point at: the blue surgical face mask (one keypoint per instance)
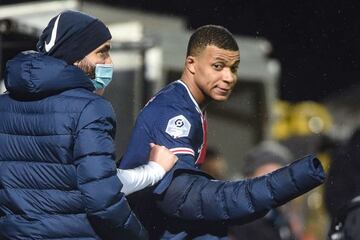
(103, 75)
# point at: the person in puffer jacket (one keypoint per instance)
(187, 203)
(58, 178)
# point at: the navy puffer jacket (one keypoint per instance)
(57, 170)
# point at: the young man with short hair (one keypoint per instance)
(187, 203)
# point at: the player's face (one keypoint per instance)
(215, 72)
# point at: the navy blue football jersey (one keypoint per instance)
(172, 118)
(196, 206)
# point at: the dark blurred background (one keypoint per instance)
(316, 42)
(317, 46)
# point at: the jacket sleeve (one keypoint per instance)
(107, 208)
(197, 198)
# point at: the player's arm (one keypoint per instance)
(161, 160)
(106, 207)
(188, 194)
(196, 198)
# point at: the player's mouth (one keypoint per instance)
(223, 91)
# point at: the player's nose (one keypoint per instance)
(229, 76)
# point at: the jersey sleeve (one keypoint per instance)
(170, 126)
(176, 129)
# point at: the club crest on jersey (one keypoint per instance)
(178, 127)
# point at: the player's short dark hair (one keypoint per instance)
(217, 36)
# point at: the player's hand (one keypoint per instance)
(162, 156)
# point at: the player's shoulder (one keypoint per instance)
(172, 98)
(173, 93)
(171, 104)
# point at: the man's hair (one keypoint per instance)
(267, 152)
(214, 35)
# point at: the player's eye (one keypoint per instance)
(234, 68)
(218, 66)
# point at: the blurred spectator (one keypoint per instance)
(265, 158)
(343, 184)
(215, 164)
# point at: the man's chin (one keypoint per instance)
(220, 98)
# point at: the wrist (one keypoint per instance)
(157, 168)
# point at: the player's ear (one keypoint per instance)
(190, 64)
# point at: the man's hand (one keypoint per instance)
(162, 156)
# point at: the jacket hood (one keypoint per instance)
(33, 74)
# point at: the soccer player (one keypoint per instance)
(187, 203)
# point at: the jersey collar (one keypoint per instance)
(190, 95)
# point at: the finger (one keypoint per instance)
(152, 145)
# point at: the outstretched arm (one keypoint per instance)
(197, 198)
